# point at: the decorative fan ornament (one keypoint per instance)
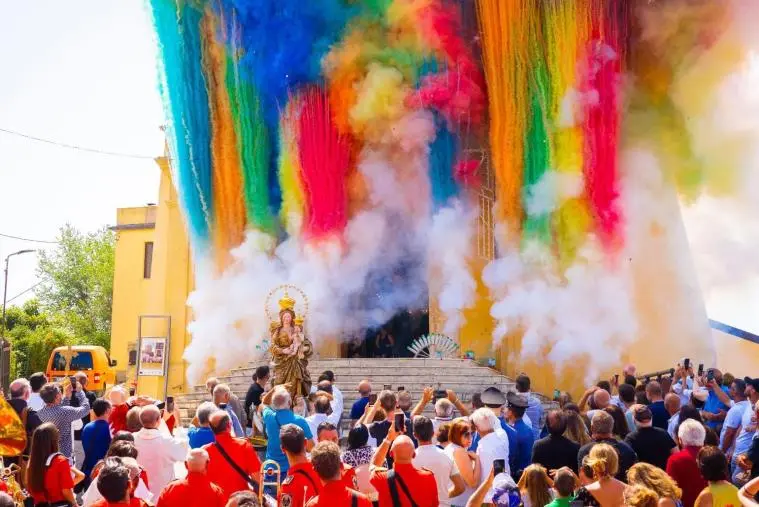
(434, 346)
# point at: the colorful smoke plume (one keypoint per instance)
(336, 145)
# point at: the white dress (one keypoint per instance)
(458, 501)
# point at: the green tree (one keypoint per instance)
(77, 285)
(33, 336)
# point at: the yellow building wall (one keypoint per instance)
(164, 294)
(735, 355)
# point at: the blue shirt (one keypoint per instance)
(536, 414)
(660, 416)
(714, 405)
(199, 437)
(525, 438)
(96, 438)
(273, 421)
(239, 433)
(357, 410)
(514, 457)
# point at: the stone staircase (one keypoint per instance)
(463, 376)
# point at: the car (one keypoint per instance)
(90, 359)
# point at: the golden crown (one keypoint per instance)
(298, 321)
(286, 303)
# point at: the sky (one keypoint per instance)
(84, 73)
(81, 73)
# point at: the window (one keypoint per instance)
(147, 267)
(81, 361)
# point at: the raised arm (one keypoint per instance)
(426, 398)
(457, 403)
(585, 397)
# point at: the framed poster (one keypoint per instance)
(152, 357)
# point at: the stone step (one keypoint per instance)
(463, 376)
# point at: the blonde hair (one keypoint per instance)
(576, 430)
(536, 484)
(654, 479)
(640, 496)
(603, 460)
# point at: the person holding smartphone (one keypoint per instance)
(404, 484)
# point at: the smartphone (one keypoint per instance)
(616, 378)
(701, 370)
(686, 363)
(132, 390)
(169, 404)
(499, 466)
(372, 399)
(658, 378)
(73, 383)
(440, 393)
(401, 388)
(387, 387)
(400, 422)
(710, 375)
(556, 395)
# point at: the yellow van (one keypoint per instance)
(90, 359)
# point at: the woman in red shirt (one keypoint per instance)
(50, 478)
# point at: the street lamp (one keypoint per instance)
(2, 333)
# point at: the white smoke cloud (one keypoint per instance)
(450, 250)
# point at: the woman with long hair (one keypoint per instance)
(620, 429)
(606, 491)
(50, 478)
(658, 481)
(535, 487)
(576, 430)
(460, 438)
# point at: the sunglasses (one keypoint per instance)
(466, 433)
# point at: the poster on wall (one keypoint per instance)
(152, 357)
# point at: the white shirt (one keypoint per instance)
(337, 401)
(436, 422)
(315, 420)
(92, 494)
(157, 454)
(35, 402)
(441, 465)
(733, 419)
(461, 500)
(672, 426)
(493, 446)
(684, 394)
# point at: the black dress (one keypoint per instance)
(587, 499)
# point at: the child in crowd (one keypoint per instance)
(564, 484)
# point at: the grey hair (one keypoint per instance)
(484, 419)
(602, 423)
(444, 408)
(20, 387)
(281, 399)
(220, 391)
(204, 411)
(133, 467)
(691, 433)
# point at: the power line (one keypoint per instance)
(75, 147)
(28, 239)
(23, 292)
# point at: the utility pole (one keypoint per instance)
(5, 358)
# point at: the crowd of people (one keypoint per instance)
(680, 440)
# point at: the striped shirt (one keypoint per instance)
(62, 416)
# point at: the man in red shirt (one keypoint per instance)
(325, 458)
(327, 432)
(302, 483)
(682, 466)
(234, 465)
(397, 487)
(196, 488)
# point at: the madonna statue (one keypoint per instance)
(290, 350)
